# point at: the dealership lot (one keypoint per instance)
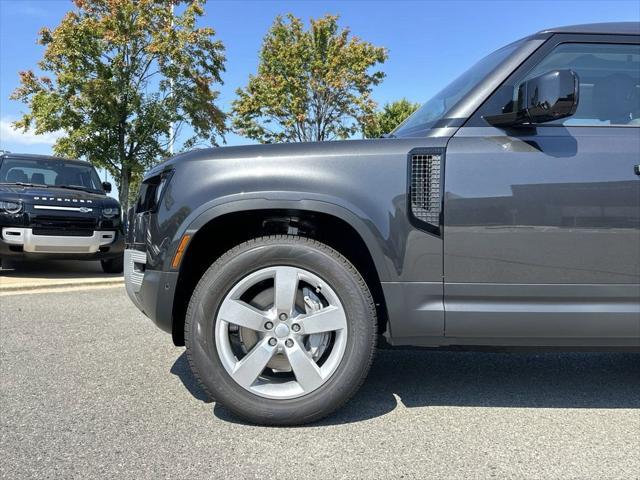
(90, 388)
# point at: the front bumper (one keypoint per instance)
(152, 291)
(31, 243)
(21, 242)
(135, 263)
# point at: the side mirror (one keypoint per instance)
(540, 99)
(106, 186)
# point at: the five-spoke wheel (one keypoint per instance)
(289, 348)
(281, 330)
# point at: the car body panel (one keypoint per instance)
(308, 177)
(517, 271)
(533, 208)
(549, 218)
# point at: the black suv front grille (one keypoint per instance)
(63, 226)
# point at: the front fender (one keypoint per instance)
(364, 226)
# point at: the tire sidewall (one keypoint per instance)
(227, 272)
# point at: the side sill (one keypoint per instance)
(538, 344)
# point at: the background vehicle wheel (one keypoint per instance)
(113, 265)
(281, 330)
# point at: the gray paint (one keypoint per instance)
(547, 207)
(550, 205)
(540, 243)
(419, 305)
(334, 178)
(536, 207)
(570, 311)
(607, 28)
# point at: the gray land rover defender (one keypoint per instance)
(504, 212)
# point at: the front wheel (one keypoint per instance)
(281, 330)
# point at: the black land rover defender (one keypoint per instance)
(56, 208)
(504, 212)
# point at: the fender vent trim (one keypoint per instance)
(425, 188)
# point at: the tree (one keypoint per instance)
(392, 115)
(117, 75)
(311, 85)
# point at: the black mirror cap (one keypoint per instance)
(547, 97)
(550, 96)
(106, 186)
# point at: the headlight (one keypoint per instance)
(110, 212)
(10, 207)
(152, 191)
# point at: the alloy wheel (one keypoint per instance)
(281, 332)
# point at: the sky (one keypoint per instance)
(429, 42)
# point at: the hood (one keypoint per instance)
(55, 196)
(338, 148)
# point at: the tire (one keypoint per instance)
(291, 399)
(113, 265)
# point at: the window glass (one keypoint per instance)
(609, 76)
(50, 172)
(436, 108)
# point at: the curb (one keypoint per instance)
(60, 284)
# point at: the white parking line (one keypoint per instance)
(56, 289)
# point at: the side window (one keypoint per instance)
(609, 77)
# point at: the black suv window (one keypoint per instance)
(609, 77)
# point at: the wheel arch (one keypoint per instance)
(242, 220)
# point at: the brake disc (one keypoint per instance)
(316, 344)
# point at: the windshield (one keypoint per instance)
(51, 173)
(436, 108)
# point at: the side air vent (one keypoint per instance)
(425, 187)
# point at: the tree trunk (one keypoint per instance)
(123, 190)
(125, 170)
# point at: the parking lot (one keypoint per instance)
(90, 388)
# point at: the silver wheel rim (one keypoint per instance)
(309, 343)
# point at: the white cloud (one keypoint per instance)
(10, 135)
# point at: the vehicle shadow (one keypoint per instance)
(181, 369)
(422, 378)
(16, 268)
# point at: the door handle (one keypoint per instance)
(636, 169)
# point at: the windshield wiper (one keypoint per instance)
(25, 184)
(73, 187)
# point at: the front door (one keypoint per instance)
(542, 225)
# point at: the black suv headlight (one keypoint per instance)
(110, 212)
(10, 207)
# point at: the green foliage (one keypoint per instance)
(110, 69)
(387, 119)
(311, 85)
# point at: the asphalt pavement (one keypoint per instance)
(90, 388)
